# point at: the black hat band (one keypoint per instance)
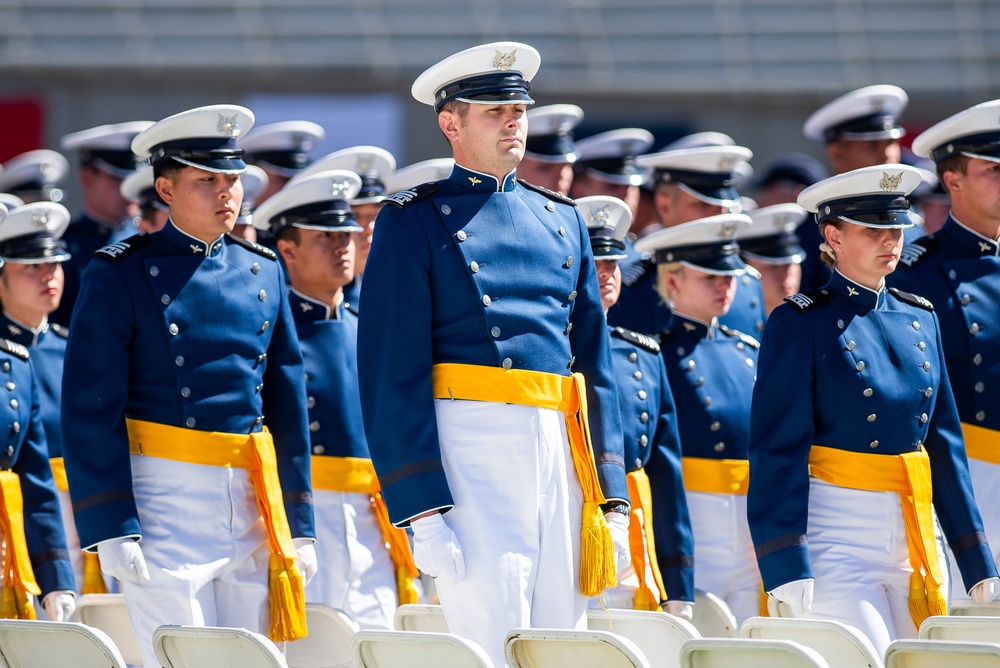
(696, 253)
(495, 86)
(871, 126)
(33, 246)
(984, 143)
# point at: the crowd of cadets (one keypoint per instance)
(192, 329)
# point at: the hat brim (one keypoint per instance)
(617, 179)
(721, 265)
(332, 227)
(889, 219)
(796, 257)
(715, 196)
(217, 166)
(37, 258)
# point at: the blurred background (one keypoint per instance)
(754, 69)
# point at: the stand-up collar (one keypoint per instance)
(856, 293)
(473, 180)
(190, 245)
(968, 238)
(16, 331)
(307, 308)
(693, 327)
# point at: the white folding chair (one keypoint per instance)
(108, 613)
(545, 648)
(748, 653)
(941, 654)
(841, 645)
(658, 636)
(712, 616)
(328, 644)
(39, 644)
(970, 609)
(214, 647)
(420, 617)
(416, 649)
(965, 629)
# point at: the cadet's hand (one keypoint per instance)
(436, 550)
(985, 591)
(307, 562)
(121, 558)
(797, 595)
(682, 609)
(618, 524)
(59, 605)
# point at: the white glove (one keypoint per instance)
(436, 550)
(682, 609)
(306, 562)
(985, 591)
(618, 524)
(796, 597)
(121, 558)
(59, 605)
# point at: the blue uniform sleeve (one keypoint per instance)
(953, 497)
(43, 529)
(592, 351)
(671, 521)
(284, 399)
(781, 435)
(395, 359)
(95, 388)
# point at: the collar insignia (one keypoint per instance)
(14, 329)
(504, 61)
(690, 326)
(890, 183)
(195, 248)
(475, 181)
(985, 247)
(851, 291)
(306, 306)
(228, 125)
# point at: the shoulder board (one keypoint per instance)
(411, 195)
(804, 301)
(352, 308)
(745, 338)
(551, 194)
(15, 349)
(641, 340)
(253, 247)
(633, 273)
(912, 254)
(120, 249)
(912, 299)
(59, 330)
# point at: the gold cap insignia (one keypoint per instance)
(338, 188)
(504, 61)
(228, 125)
(601, 215)
(726, 163)
(890, 183)
(877, 104)
(365, 163)
(728, 230)
(40, 219)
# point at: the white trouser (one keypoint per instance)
(861, 562)
(517, 517)
(205, 546)
(356, 573)
(72, 538)
(986, 487)
(725, 563)
(623, 596)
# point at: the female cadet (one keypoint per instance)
(652, 445)
(711, 369)
(853, 418)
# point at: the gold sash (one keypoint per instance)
(641, 543)
(716, 476)
(18, 576)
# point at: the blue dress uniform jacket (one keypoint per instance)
(48, 350)
(26, 454)
(649, 421)
(471, 271)
(187, 334)
(711, 370)
(845, 367)
(641, 308)
(959, 272)
(329, 345)
(83, 237)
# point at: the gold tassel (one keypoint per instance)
(8, 608)
(644, 600)
(287, 599)
(937, 603)
(24, 608)
(93, 579)
(404, 586)
(597, 553)
(919, 609)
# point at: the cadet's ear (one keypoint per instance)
(286, 249)
(165, 187)
(664, 205)
(448, 121)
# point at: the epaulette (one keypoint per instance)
(633, 273)
(551, 194)
(411, 195)
(913, 253)
(253, 247)
(641, 340)
(351, 308)
(803, 301)
(745, 338)
(15, 349)
(59, 330)
(120, 249)
(912, 299)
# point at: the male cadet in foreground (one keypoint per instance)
(958, 270)
(549, 153)
(313, 227)
(860, 129)
(187, 344)
(35, 558)
(479, 301)
(106, 159)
